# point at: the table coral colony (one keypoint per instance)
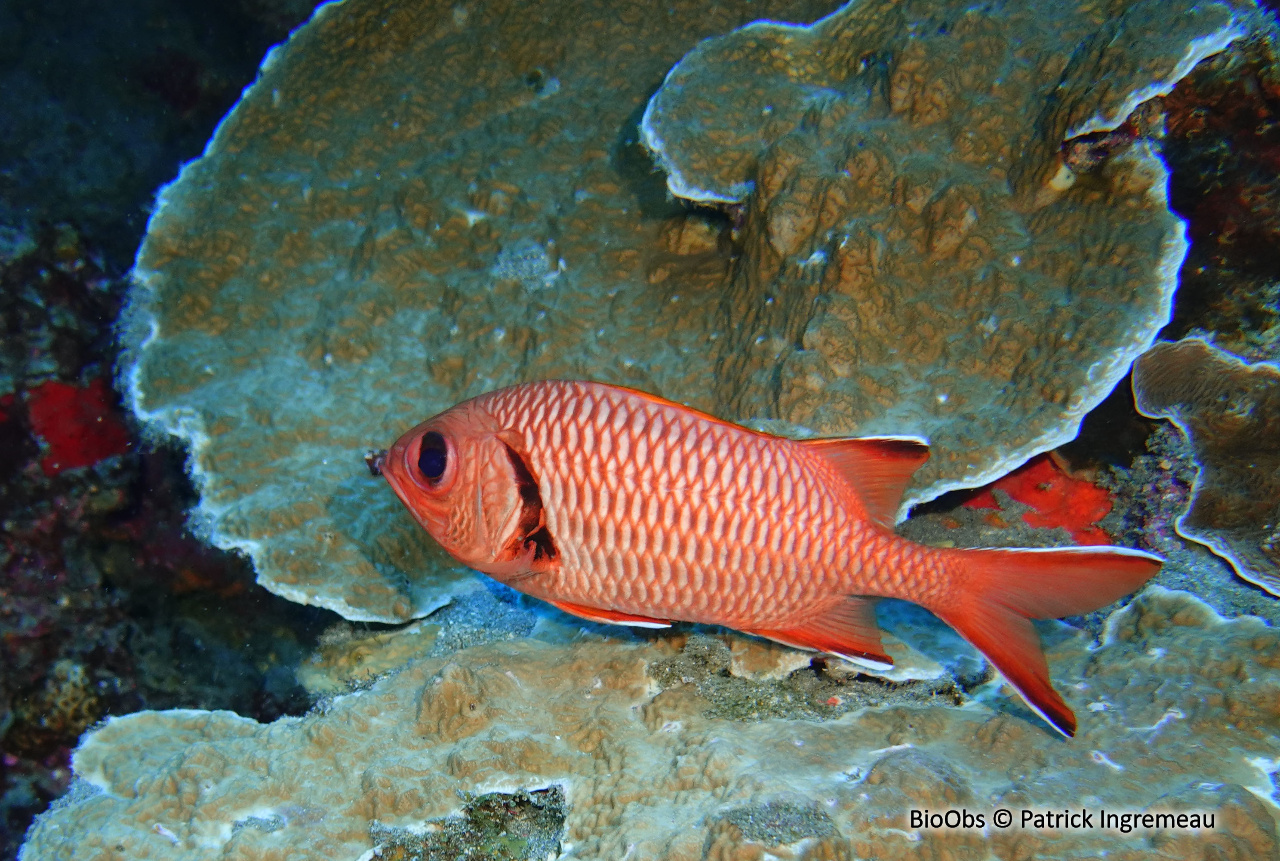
(914, 257)
(653, 778)
(917, 257)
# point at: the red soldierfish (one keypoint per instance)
(619, 506)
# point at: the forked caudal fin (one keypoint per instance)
(1001, 591)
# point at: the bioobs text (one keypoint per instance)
(947, 819)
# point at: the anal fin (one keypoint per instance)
(612, 617)
(848, 630)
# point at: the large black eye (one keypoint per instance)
(433, 456)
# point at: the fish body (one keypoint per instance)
(623, 507)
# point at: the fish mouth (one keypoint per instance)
(374, 461)
(394, 468)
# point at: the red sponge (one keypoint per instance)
(1056, 499)
(80, 425)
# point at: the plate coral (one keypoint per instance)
(646, 774)
(925, 252)
(418, 202)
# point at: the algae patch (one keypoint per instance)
(781, 822)
(497, 826)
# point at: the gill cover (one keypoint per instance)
(471, 486)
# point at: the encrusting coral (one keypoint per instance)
(919, 256)
(1055, 499)
(649, 775)
(420, 201)
(344, 660)
(1230, 411)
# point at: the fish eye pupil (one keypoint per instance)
(432, 456)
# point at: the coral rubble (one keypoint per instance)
(1230, 411)
(919, 255)
(498, 826)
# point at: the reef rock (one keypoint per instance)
(918, 255)
(1179, 711)
(1230, 412)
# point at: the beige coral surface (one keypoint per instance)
(918, 258)
(1180, 712)
(1230, 411)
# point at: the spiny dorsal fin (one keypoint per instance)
(848, 629)
(878, 468)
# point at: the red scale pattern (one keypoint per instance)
(664, 512)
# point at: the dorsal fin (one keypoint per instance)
(878, 468)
